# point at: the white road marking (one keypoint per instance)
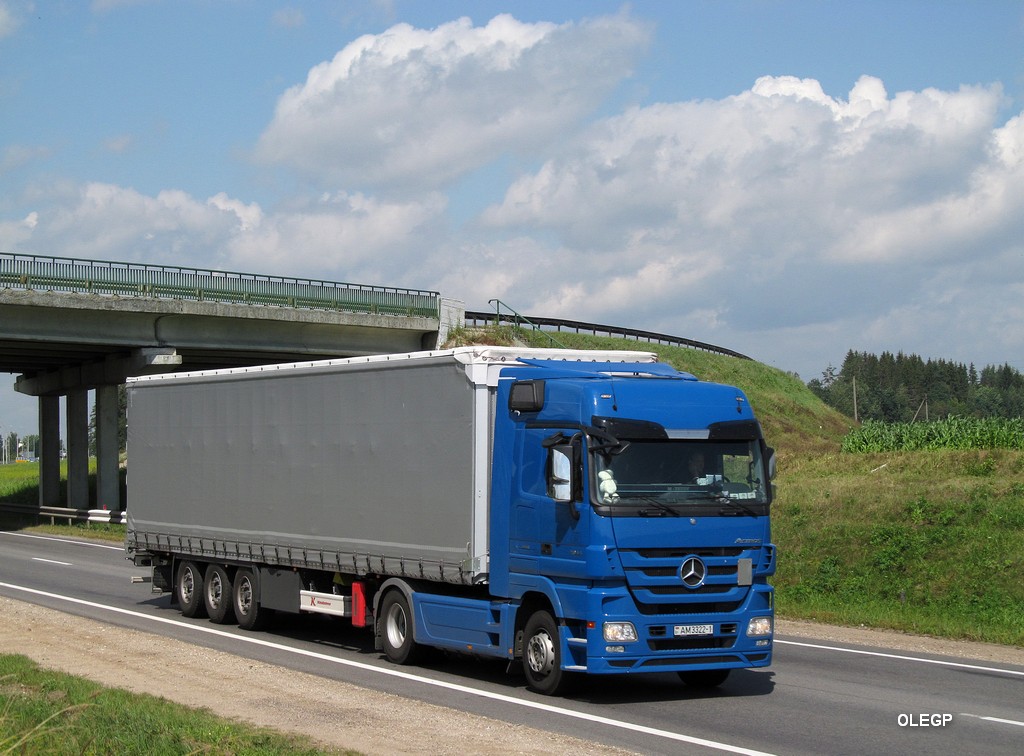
(940, 662)
(51, 561)
(994, 719)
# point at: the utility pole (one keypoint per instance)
(856, 419)
(924, 404)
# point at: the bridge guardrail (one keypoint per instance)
(476, 317)
(173, 282)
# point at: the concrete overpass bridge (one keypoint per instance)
(70, 326)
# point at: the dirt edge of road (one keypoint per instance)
(336, 714)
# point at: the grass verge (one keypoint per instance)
(922, 542)
(54, 713)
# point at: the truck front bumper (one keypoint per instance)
(672, 642)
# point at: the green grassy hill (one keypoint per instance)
(923, 542)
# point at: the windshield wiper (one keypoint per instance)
(662, 507)
(738, 507)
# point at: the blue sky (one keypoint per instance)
(788, 179)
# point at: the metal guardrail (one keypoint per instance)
(519, 320)
(64, 513)
(483, 318)
(172, 282)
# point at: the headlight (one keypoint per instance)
(619, 632)
(759, 626)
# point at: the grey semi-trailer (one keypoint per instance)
(570, 511)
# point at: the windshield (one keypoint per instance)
(662, 473)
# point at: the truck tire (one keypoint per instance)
(396, 629)
(189, 589)
(705, 678)
(217, 595)
(246, 601)
(542, 655)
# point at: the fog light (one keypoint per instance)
(619, 632)
(615, 649)
(759, 626)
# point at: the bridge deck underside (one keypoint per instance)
(42, 332)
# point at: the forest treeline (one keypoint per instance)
(902, 388)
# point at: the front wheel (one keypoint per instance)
(218, 595)
(705, 678)
(396, 635)
(188, 589)
(542, 655)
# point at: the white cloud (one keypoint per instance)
(413, 109)
(249, 216)
(289, 18)
(8, 21)
(352, 237)
(19, 155)
(119, 144)
(16, 232)
(779, 208)
(108, 6)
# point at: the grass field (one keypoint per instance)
(19, 482)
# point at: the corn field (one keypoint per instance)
(950, 433)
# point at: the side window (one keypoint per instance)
(560, 477)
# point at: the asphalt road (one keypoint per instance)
(819, 697)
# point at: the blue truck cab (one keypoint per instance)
(630, 518)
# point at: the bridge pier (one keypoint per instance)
(49, 451)
(77, 408)
(108, 484)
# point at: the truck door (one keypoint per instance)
(546, 537)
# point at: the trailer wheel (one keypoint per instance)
(246, 601)
(396, 634)
(705, 678)
(542, 655)
(218, 595)
(188, 589)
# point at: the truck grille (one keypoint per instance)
(689, 644)
(654, 579)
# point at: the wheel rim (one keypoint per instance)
(244, 596)
(188, 586)
(215, 590)
(540, 654)
(396, 626)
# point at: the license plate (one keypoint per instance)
(694, 630)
